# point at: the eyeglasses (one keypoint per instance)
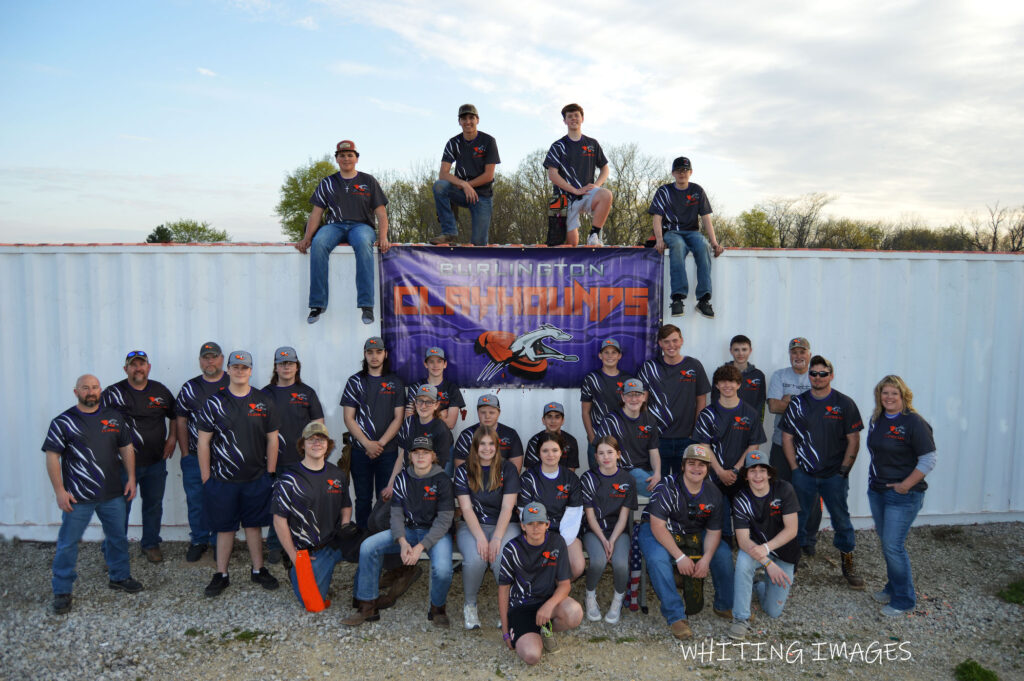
(819, 374)
(425, 401)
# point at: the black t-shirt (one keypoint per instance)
(88, 444)
(685, 513)
(556, 495)
(763, 516)
(604, 393)
(533, 571)
(471, 158)
(311, 501)
(435, 429)
(240, 425)
(673, 391)
(577, 162)
(637, 437)
(509, 444)
(753, 389)
(607, 494)
(353, 199)
(375, 399)
(570, 455)
(680, 208)
(730, 432)
(448, 394)
(297, 406)
(422, 499)
(487, 502)
(819, 429)
(144, 412)
(191, 399)
(895, 444)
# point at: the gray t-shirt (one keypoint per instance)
(786, 382)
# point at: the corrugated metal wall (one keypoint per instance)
(951, 324)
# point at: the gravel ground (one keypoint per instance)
(171, 631)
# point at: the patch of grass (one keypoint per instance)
(948, 533)
(626, 639)
(969, 670)
(1013, 593)
(248, 635)
(497, 672)
(597, 639)
(192, 631)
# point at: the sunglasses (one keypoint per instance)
(136, 353)
(819, 374)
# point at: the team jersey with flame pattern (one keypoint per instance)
(375, 399)
(435, 429)
(448, 394)
(88, 444)
(570, 455)
(603, 392)
(487, 502)
(637, 437)
(680, 208)
(240, 425)
(819, 428)
(471, 158)
(577, 162)
(685, 513)
(607, 494)
(421, 499)
(509, 444)
(763, 516)
(297, 405)
(191, 398)
(144, 412)
(353, 199)
(311, 501)
(753, 389)
(533, 571)
(556, 495)
(895, 444)
(730, 432)
(673, 391)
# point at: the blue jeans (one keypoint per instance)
(678, 244)
(115, 543)
(369, 477)
(640, 479)
(833, 491)
(382, 543)
(784, 472)
(150, 482)
(360, 236)
(894, 513)
(662, 568)
(446, 193)
(671, 450)
(323, 562)
(192, 482)
(771, 597)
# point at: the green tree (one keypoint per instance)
(160, 235)
(299, 185)
(186, 232)
(755, 231)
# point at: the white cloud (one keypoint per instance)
(308, 23)
(206, 72)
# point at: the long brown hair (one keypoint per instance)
(475, 470)
(298, 373)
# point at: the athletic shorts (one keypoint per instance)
(228, 505)
(580, 205)
(523, 621)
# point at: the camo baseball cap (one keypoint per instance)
(427, 390)
(756, 458)
(534, 512)
(800, 342)
(467, 110)
(610, 343)
(422, 442)
(373, 343)
(554, 406)
(346, 145)
(633, 385)
(315, 428)
(209, 348)
(434, 352)
(243, 357)
(698, 451)
(285, 354)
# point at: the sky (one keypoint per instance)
(120, 116)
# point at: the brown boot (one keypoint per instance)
(438, 616)
(367, 612)
(401, 585)
(852, 579)
(389, 577)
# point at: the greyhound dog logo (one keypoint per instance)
(430, 492)
(834, 412)
(897, 432)
(525, 355)
(335, 486)
(753, 382)
(620, 489)
(157, 403)
(257, 408)
(299, 398)
(742, 422)
(551, 555)
(110, 425)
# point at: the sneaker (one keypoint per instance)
(739, 630)
(314, 315)
(153, 554)
(444, 239)
(438, 616)
(274, 556)
(890, 611)
(678, 307)
(595, 239)
(593, 610)
(548, 638)
(881, 597)
(217, 584)
(615, 610)
(195, 552)
(681, 630)
(61, 604)
(367, 315)
(470, 616)
(127, 585)
(264, 579)
(704, 307)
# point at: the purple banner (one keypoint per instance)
(528, 317)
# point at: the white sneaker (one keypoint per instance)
(595, 240)
(470, 616)
(615, 611)
(593, 611)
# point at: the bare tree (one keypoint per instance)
(634, 179)
(795, 220)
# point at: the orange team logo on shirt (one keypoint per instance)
(753, 382)
(110, 425)
(334, 487)
(687, 375)
(257, 409)
(833, 412)
(644, 430)
(563, 492)
(156, 403)
(551, 556)
(430, 492)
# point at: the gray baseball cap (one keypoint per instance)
(610, 343)
(488, 401)
(534, 512)
(373, 343)
(554, 406)
(434, 352)
(756, 458)
(285, 354)
(243, 357)
(800, 342)
(633, 385)
(427, 390)
(209, 348)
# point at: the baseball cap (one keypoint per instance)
(285, 354)
(242, 357)
(610, 343)
(315, 428)
(467, 109)
(534, 512)
(136, 353)
(373, 343)
(756, 458)
(434, 352)
(346, 145)
(698, 451)
(209, 348)
(633, 385)
(422, 442)
(488, 401)
(554, 406)
(800, 342)
(427, 390)
(681, 163)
